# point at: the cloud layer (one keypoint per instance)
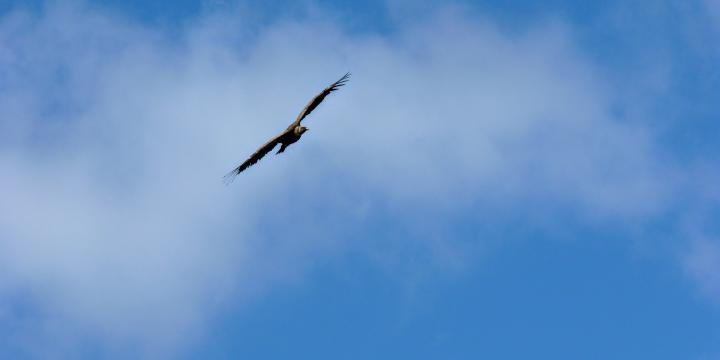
(115, 224)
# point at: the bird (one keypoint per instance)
(292, 134)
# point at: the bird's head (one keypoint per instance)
(300, 130)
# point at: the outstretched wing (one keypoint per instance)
(262, 151)
(319, 98)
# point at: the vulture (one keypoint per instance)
(290, 135)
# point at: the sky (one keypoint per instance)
(498, 179)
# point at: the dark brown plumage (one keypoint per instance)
(292, 134)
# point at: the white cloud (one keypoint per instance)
(703, 263)
(114, 219)
(713, 7)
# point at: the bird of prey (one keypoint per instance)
(291, 134)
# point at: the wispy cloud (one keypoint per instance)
(713, 7)
(703, 262)
(116, 136)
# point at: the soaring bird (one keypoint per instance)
(291, 134)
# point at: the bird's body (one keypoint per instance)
(291, 135)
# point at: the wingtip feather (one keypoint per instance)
(230, 177)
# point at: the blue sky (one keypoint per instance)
(499, 179)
